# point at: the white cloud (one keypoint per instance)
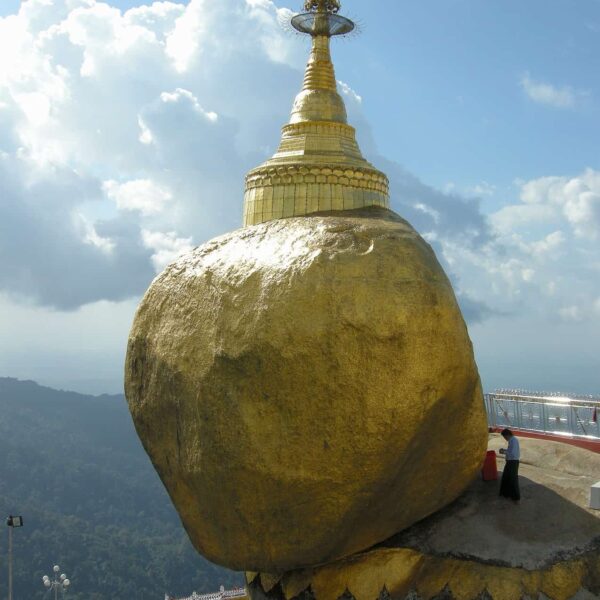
(550, 246)
(180, 93)
(478, 190)
(428, 210)
(527, 274)
(571, 313)
(140, 194)
(166, 247)
(184, 41)
(550, 95)
(145, 133)
(544, 250)
(35, 106)
(90, 235)
(118, 123)
(513, 216)
(346, 90)
(482, 189)
(578, 198)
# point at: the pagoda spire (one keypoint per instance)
(318, 166)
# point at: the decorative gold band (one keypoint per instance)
(318, 128)
(360, 178)
(290, 191)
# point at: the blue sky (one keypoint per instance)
(124, 137)
(447, 76)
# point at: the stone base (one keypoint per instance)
(481, 547)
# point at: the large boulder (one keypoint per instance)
(305, 388)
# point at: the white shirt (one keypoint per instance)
(513, 452)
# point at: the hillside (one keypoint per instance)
(72, 465)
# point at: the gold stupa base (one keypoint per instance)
(480, 548)
(404, 574)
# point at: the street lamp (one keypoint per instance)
(11, 523)
(60, 582)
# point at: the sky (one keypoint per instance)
(126, 129)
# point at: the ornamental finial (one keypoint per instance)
(321, 18)
(329, 6)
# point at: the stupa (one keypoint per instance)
(318, 166)
(305, 386)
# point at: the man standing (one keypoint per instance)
(509, 486)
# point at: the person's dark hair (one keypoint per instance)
(506, 433)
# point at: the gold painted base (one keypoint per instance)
(405, 574)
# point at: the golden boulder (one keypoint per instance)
(306, 388)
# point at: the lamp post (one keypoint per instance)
(60, 582)
(11, 523)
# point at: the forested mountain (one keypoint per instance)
(73, 466)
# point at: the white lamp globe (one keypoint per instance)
(47, 582)
(63, 577)
(56, 568)
(67, 582)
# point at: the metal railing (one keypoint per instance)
(545, 412)
(222, 594)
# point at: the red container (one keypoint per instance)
(490, 470)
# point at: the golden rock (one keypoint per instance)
(306, 388)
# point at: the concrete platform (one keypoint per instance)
(481, 546)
